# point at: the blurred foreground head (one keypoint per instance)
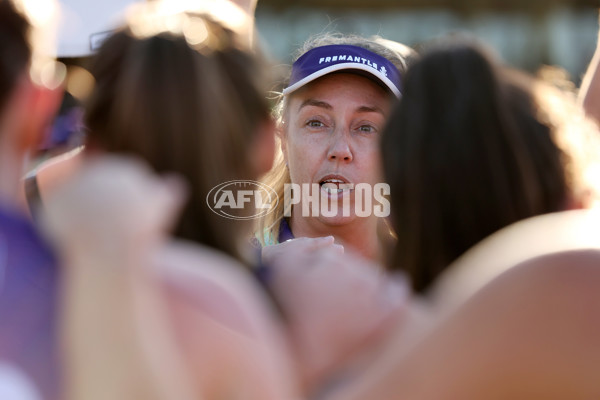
(474, 147)
(30, 83)
(15, 49)
(186, 94)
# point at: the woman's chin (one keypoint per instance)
(338, 219)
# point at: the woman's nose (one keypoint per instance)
(339, 150)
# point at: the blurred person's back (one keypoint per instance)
(473, 148)
(28, 275)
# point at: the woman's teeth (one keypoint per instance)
(335, 186)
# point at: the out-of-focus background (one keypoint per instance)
(525, 33)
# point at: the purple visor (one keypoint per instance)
(324, 60)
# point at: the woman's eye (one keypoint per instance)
(367, 128)
(313, 123)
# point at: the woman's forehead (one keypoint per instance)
(340, 88)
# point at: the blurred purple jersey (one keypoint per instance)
(28, 304)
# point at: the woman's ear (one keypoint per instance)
(28, 113)
(264, 147)
(583, 200)
(43, 105)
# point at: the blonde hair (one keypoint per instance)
(267, 229)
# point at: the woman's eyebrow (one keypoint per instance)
(370, 109)
(327, 106)
(315, 103)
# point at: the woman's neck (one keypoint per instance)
(362, 235)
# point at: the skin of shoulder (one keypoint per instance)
(532, 333)
(224, 324)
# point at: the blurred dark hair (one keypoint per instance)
(15, 48)
(183, 106)
(465, 154)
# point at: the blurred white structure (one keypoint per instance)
(85, 23)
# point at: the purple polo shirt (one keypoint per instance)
(285, 233)
(28, 304)
(261, 271)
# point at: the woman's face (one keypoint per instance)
(332, 134)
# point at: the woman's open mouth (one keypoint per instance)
(334, 185)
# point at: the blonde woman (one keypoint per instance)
(331, 115)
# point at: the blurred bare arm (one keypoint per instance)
(531, 334)
(337, 306)
(249, 6)
(589, 93)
